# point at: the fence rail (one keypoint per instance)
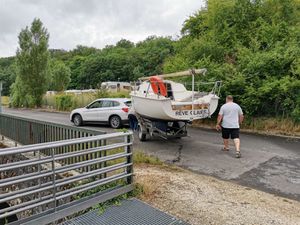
(29, 131)
(49, 181)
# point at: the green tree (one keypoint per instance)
(151, 53)
(60, 76)
(123, 43)
(252, 46)
(32, 60)
(81, 50)
(76, 67)
(7, 73)
(8, 76)
(137, 72)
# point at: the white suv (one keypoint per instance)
(113, 111)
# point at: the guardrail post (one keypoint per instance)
(54, 177)
(104, 155)
(129, 158)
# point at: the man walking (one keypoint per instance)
(229, 119)
(133, 122)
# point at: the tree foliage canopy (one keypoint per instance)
(32, 63)
(60, 76)
(253, 46)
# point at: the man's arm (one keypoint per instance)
(241, 115)
(241, 118)
(219, 120)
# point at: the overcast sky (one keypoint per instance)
(93, 22)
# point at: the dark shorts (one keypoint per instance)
(230, 132)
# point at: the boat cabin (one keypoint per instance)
(175, 91)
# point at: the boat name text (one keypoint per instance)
(201, 113)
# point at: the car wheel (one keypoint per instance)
(77, 120)
(115, 122)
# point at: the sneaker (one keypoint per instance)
(238, 155)
(225, 149)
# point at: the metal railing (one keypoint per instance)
(43, 184)
(29, 131)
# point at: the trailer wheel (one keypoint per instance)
(141, 134)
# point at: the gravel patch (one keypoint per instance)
(200, 199)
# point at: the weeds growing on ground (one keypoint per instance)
(70, 101)
(141, 157)
(284, 126)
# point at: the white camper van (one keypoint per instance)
(115, 86)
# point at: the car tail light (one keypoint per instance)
(125, 109)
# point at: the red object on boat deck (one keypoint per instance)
(158, 85)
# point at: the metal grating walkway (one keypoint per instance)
(130, 212)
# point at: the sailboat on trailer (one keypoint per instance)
(159, 99)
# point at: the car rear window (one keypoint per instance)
(128, 103)
(116, 103)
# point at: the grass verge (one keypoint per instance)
(5, 101)
(261, 125)
(68, 102)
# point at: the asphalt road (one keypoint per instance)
(271, 164)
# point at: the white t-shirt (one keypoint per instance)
(230, 112)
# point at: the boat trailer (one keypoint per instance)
(160, 128)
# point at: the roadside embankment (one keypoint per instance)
(200, 199)
(264, 126)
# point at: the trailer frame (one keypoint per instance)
(160, 128)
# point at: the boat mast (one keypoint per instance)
(190, 72)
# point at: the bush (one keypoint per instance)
(64, 102)
(296, 108)
(82, 100)
(101, 93)
(121, 94)
(19, 95)
(5, 100)
(49, 101)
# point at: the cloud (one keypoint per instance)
(94, 23)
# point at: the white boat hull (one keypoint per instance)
(166, 109)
